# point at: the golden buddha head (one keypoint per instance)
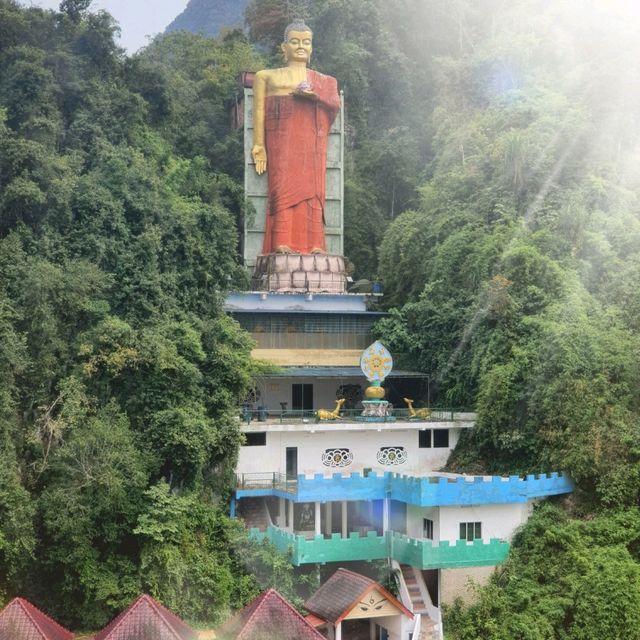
(298, 43)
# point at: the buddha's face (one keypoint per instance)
(298, 46)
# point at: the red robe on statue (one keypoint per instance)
(296, 134)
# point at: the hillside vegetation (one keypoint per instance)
(119, 372)
(492, 183)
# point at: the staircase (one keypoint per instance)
(254, 512)
(428, 631)
(428, 627)
(419, 605)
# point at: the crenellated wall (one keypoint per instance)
(430, 491)
(423, 554)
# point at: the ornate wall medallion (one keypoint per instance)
(337, 457)
(392, 455)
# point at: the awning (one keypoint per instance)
(338, 372)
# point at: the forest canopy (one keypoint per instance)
(492, 183)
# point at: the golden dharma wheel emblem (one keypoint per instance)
(376, 362)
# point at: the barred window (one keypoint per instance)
(470, 531)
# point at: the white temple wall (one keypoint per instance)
(498, 520)
(364, 445)
(415, 521)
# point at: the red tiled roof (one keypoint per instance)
(20, 620)
(146, 619)
(268, 617)
(335, 599)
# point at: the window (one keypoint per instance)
(381, 633)
(258, 439)
(470, 531)
(427, 528)
(424, 439)
(302, 397)
(441, 438)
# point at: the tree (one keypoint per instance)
(75, 8)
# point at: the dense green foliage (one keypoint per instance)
(513, 282)
(492, 182)
(513, 277)
(119, 372)
(577, 580)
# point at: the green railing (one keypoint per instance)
(268, 480)
(417, 552)
(437, 414)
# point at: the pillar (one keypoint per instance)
(232, 508)
(328, 518)
(385, 514)
(339, 631)
(317, 520)
(281, 513)
(345, 529)
(290, 515)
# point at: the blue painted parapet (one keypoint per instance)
(430, 491)
(338, 487)
(441, 491)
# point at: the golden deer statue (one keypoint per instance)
(417, 414)
(324, 414)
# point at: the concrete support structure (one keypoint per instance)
(317, 519)
(385, 515)
(345, 530)
(328, 518)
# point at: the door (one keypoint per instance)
(302, 397)
(292, 463)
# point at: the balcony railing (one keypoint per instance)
(421, 553)
(268, 482)
(288, 416)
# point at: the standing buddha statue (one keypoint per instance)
(294, 108)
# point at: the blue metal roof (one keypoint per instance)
(257, 301)
(336, 372)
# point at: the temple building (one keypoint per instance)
(329, 485)
(338, 466)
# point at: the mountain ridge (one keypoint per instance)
(209, 17)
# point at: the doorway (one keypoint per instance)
(302, 397)
(292, 463)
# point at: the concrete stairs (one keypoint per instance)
(254, 512)
(419, 605)
(428, 630)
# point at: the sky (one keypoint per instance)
(137, 18)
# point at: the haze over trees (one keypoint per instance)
(209, 18)
(492, 183)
